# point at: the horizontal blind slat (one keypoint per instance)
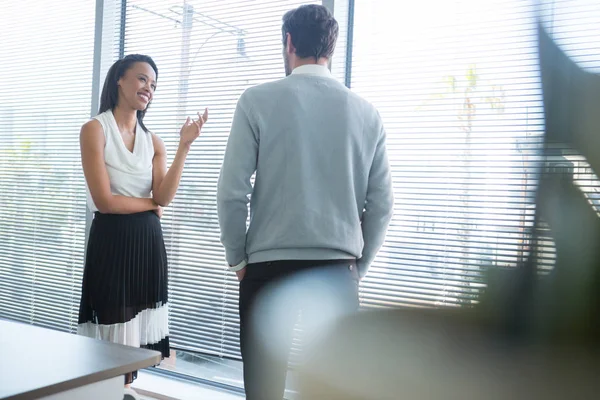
(42, 218)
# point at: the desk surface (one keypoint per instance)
(37, 362)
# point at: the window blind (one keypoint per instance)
(458, 87)
(207, 53)
(456, 84)
(46, 57)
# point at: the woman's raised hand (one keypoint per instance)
(191, 128)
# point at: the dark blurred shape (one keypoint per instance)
(571, 101)
(531, 336)
(564, 306)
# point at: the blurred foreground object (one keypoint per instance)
(434, 354)
(531, 336)
(562, 307)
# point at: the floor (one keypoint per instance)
(151, 386)
(215, 369)
(209, 368)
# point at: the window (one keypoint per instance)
(46, 58)
(208, 53)
(457, 85)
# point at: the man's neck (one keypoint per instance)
(323, 62)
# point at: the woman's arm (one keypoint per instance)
(165, 183)
(92, 143)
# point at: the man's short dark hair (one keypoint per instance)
(313, 29)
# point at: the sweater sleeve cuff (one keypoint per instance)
(238, 267)
(235, 256)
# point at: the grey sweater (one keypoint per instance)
(323, 188)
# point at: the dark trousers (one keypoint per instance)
(272, 294)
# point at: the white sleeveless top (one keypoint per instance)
(130, 173)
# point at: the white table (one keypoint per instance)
(38, 363)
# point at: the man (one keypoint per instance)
(322, 198)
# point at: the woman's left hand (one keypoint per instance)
(191, 129)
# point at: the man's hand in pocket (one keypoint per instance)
(240, 274)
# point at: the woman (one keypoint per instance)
(124, 296)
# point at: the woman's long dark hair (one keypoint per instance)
(110, 91)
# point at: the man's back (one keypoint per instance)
(320, 205)
(317, 145)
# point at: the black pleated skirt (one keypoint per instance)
(124, 297)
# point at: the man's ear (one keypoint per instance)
(289, 46)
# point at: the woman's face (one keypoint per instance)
(137, 86)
